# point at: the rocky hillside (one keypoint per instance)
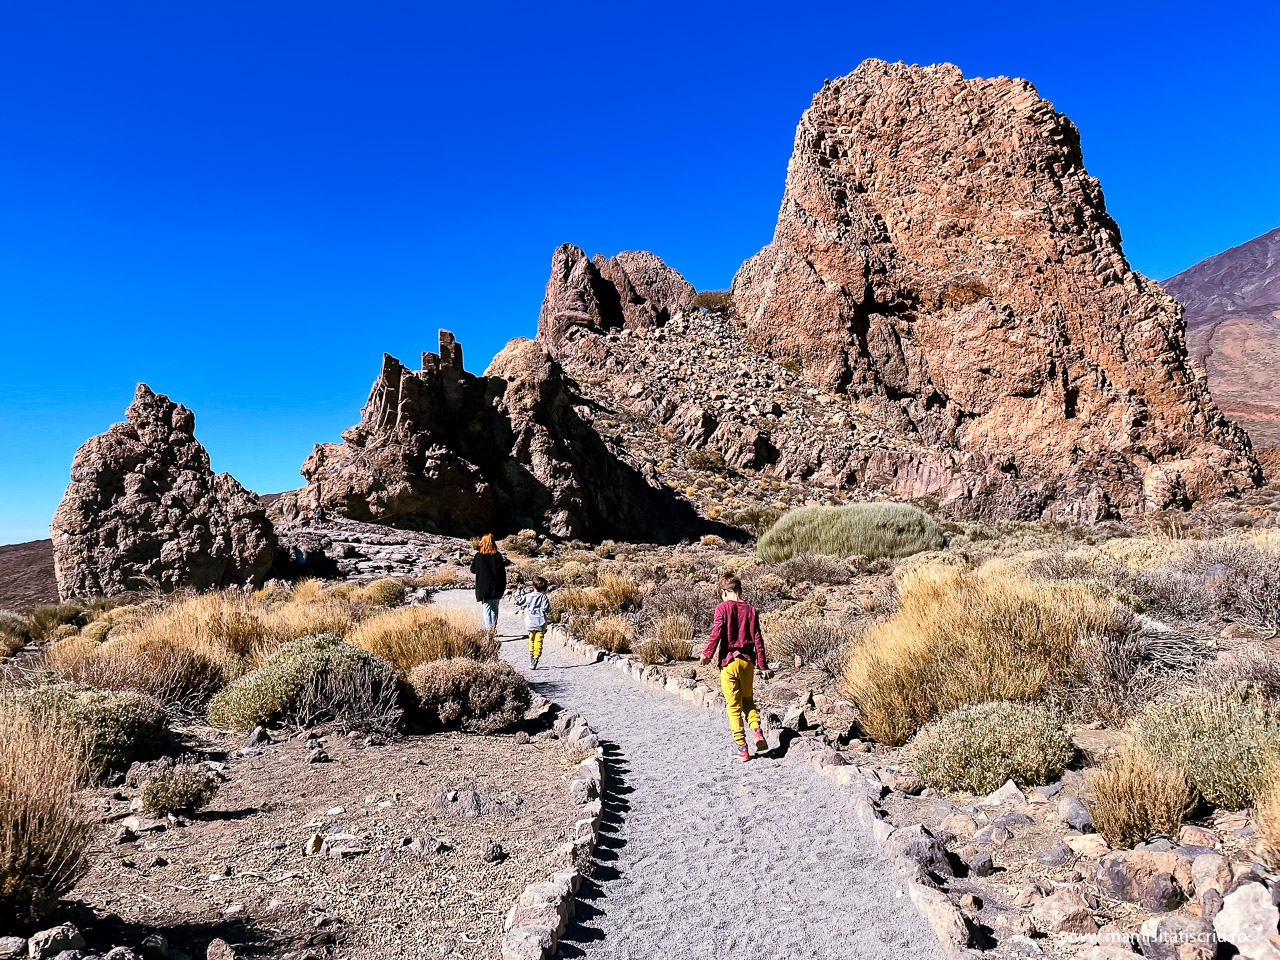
(945, 313)
(1232, 302)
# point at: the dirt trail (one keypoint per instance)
(705, 857)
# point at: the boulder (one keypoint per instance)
(145, 510)
(1063, 911)
(1156, 881)
(1178, 937)
(1248, 922)
(51, 942)
(941, 255)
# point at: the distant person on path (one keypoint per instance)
(738, 646)
(319, 515)
(535, 604)
(491, 581)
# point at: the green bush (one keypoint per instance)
(870, 530)
(977, 748)
(119, 727)
(486, 697)
(720, 301)
(755, 519)
(1226, 745)
(321, 678)
(709, 460)
(184, 788)
(47, 617)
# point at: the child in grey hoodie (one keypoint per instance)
(535, 604)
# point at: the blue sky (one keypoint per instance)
(245, 204)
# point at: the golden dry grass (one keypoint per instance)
(408, 636)
(1267, 822)
(962, 639)
(44, 830)
(614, 634)
(1135, 799)
(181, 652)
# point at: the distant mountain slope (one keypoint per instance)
(1233, 329)
(26, 575)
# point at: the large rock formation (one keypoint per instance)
(1232, 301)
(144, 511)
(943, 258)
(441, 450)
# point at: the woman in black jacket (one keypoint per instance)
(491, 581)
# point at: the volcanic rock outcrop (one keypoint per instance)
(441, 450)
(144, 511)
(943, 259)
(634, 290)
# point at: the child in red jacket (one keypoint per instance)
(738, 647)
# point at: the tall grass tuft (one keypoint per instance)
(44, 830)
(966, 639)
(1135, 799)
(408, 636)
(861, 529)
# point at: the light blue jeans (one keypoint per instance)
(490, 613)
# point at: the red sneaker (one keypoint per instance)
(762, 745)
(743, 755)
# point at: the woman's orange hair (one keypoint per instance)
(487, 545)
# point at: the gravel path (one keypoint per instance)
(703, 856)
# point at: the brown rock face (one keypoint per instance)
(635, 290)
(943, 258)
(144, 509)
(441, 450)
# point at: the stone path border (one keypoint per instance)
(539, 916)
(917, 854)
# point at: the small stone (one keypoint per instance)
(51, 942)
(258, 738)
(1199, 836)
(1009, 794)
(313, 845)
(1091, 845)
(981, 864)
(1210, 871)
(155, 947)
(343, 846)
(996, 836)
(12, 947)
(1074, 813)
(1055, 856)
(1011, 820)
(491, 851)
(335, 811)
(1049, 790)
(318, 756)
(219, 949)
(523, 738)
(425, 846)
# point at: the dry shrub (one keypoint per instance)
(1266, 820)
(931, 563)
(383, 592)
(182, 652)
(1114, 674)
(179, 788)
(814, 569)
(756, 519)
(307, 591)
(441, 578)
(524, 543)
(615, 634)
(1135, 799)
(1227, 745)
(810, 640)
(477, 697)
(13, 633)
(616, 593)
(979, 747)
(967, 639)
(1251, 668)
(44, 829)
(858, 530)
(115, 728)
(47, 617)
(308, 681)
(1142, 553)
(672, 641)
(408, 636)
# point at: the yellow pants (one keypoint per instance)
(735, 682)
(535, 643)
